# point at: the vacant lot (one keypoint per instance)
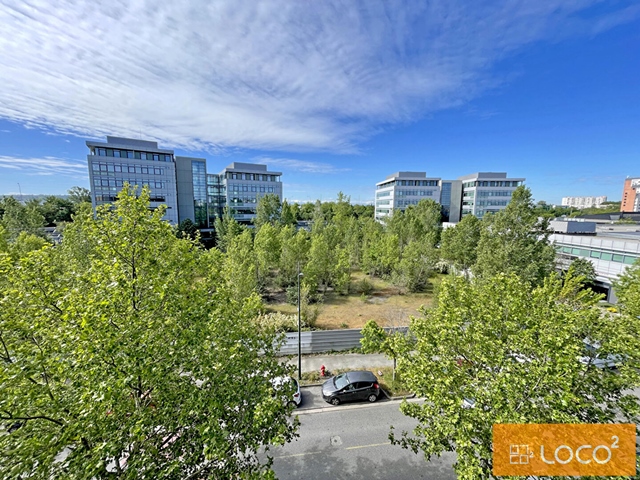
(385, 305)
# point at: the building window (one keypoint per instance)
(156, 157)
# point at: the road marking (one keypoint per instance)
(365, 446)
(298, 454)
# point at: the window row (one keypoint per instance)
(383, 194)
(113, 198)
(409, 183)
(599, 255)
(256, 177)
(236, 188)
(490, 183)
(116, 182)
(414, 193)
(110, 167)
(489, 203)
(403, 203)
(383, 202)
(240, 200)
(494, 193)
(112, 152)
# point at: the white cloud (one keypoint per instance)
(46, 166)
(279, 75)
(300, 165)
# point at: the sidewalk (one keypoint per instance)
(353, 361)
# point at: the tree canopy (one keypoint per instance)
(126, 352)
(494, 350)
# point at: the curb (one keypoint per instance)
(398, 397)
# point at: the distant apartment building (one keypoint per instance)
(487, 192)
(631, 195)
(583, 202)
(180, 183)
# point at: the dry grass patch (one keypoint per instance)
(385, 305)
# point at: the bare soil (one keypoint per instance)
(386, 305)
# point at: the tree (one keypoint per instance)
(187, 228)
(125, 355)
(416, 266)
(22, 218)
(288, 216)
(226, 228)
(55, 209)
(240, 270)
(295, 249)
(583, 268)
(512, 354)
(627, 289)
(79, 195)
(268, 210)
(267, 249)
(459, 244)
(391, 343)
(515, 240)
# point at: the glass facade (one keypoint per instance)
(199, 172)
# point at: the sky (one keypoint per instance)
(337, 95)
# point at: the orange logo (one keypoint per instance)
(564, 449)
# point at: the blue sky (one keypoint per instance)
(336, 95)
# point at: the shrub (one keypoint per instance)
(365, 287)
(279, 322)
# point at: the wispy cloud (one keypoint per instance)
(300, 165)
(277, 74)
(46, 166)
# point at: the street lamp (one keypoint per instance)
(299, 343)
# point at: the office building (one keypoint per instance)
(239, 186)
(583, 202)
(180, 183)
(402, 189)
(139, 162)
(610, 248)
(631, 195)
(487, 192)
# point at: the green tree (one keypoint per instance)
(582, 267)
(240, 269)
(267, 249)
(512, 354)
(627, 289)
(288, 216)
(416, 266)
(268, 210)
(391, 342)
(55, 209)
(187, 228)
(22, 218)
(515, 240)
(79, 195)
(125, 354)
(459, 244)
(294, 252)
(226, 228)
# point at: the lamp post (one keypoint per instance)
(299, 342)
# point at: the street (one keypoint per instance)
(352, 441)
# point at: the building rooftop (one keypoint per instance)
(489, 176)
(249, 167)
(129, 143)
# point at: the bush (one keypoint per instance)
(279, 322)
(364, 286)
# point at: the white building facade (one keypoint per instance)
(487, 192)
(402, 189)
(583, 202)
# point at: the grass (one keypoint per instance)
(395, 388)
(385, 304)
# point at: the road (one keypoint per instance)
(351, 442)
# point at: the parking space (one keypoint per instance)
(312, 399)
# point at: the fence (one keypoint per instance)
(324, 341)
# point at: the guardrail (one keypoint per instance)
(319, 341)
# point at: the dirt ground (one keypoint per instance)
(385, 305)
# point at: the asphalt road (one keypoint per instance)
(352, 441)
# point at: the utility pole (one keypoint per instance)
(299, 329)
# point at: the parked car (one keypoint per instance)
(592, 357)
(283, 382)
(351, 386)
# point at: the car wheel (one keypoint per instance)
(372, 398)
(335, 401)
(292, 404)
